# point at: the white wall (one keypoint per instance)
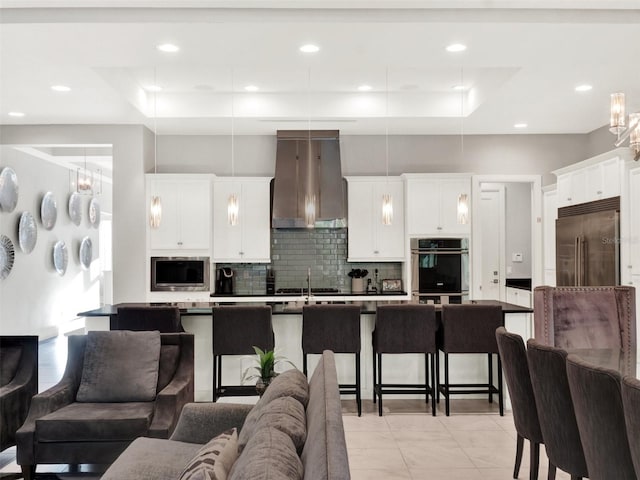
(518, 229)
(34, 298)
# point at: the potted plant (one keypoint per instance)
(264, 369)
(357, 279)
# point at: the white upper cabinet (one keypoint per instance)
(186, 211)
(433, 202)
(249, 241)
(369, 238)
(590, 180)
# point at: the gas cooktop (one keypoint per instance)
(314, 291)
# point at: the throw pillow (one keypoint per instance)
(287, 415)
(291, 383)
(215, 459)
(269, 455)
(120, 366)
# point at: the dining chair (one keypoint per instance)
(597, 400)
(523, 403)
(631, 405)
(548, 369)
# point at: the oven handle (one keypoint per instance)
(440, 252)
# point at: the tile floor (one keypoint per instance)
(474, 443)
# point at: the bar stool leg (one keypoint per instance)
(374, 376)
(437, 385)
(214, 379)
(446, 384)
(426, 378)
(219, 374)
(490, 356)
(379, 389)
(358, 398)
(304, 364)
(434, 386)
(534, 458)
(500, 388)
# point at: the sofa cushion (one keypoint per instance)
(151, 459)
(284, 413)
(95, 422)
(291, 383)
(120, 366)
(269, 455)
(9, 360)
(215, 459)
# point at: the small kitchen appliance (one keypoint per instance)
(224, 281)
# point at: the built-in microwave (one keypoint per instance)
(173, 274)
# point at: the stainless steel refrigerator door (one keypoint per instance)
(568, 233)
(600, 250)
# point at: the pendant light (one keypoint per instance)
(86, 182)
(309, 197)
(387, 199)
(155, 207)
(232, 202)
(463, 198)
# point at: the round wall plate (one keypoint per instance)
(86, 253)
(8, 189)
(60, 257)
(75, 208)
(27, 232)
(48, 211)
(7, 254)
(94, 212)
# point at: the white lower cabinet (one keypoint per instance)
(369, 238)
(249, 241)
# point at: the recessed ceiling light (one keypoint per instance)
(168, 48)
(60, 88)
(16, 114)
(153, 88)
(583, 88)
(459, 87)
(309, 48)
(456, 47)
(364, 88)
(251, 88)
(520, 125)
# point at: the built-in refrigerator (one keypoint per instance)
(588, 244)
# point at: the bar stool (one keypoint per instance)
(164, 318)
(405, 329)
(336, 328)
(470, 329)
(236, 329)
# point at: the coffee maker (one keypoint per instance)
(224, 281)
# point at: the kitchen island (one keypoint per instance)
(287, 327)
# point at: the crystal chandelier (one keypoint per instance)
(618, 124)
(87, 181)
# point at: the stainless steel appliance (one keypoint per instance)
(439, 270)
(224, 281)
(170, 274)
(588, 244)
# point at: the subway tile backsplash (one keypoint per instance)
(293, 252)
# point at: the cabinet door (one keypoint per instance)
(450, 191)
(195, 214)
(611, 177)
(227, 239)
(633, 243)
(564, 190)
(361, 213)
(594, 182)
(579, 187)
(423, 207)
(167, 235)
(390, 242)
(255, 221)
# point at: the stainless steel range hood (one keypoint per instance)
(308, 164)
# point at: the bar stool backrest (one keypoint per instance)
(331, 327)
(237, 328)
(405, 328)
(548, 369)
(470, 328)
(165, 319)
(597, 400)
(631, 403)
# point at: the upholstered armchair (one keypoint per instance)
(586, 317)
(18, 383)
(117, 386)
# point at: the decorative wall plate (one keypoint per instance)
(8, 189)
(60, 257)
(75, 208)
(86, 253)
(27, 232)
(48, 211)
(7, 254)
(94, 212)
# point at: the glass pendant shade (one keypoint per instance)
(463, 209)
(232, 209)
(634, 138)
(617, 122)
(88, 182)
(387, 209)
(155, 212)
(310, 210)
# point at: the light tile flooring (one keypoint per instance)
(474, 443)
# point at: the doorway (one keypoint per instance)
(492, 219)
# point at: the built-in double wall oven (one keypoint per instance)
(439, 270)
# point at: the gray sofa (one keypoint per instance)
(321, 453)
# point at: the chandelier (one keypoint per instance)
(619, 127)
